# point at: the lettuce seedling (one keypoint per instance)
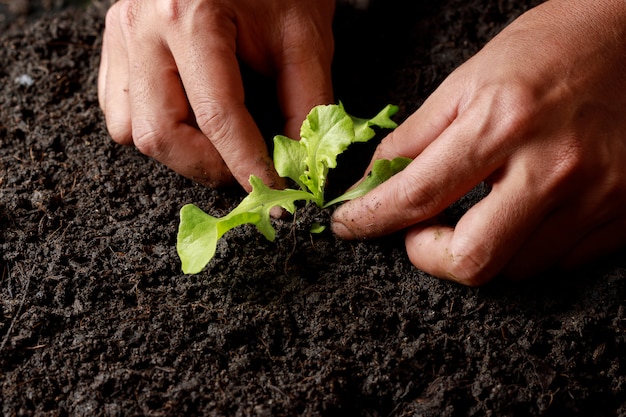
(325, 133)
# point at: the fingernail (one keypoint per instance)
(340, 229)
(277, 212)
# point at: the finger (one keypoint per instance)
(446, 167)
(113, 79)
(483, 240)
(304, 81)
(428, 122)
(210, 74)
(102, 70)
(302, 86)
(161, 115)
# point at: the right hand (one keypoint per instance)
(169, 79)
(538, 114)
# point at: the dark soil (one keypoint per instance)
(97, 319)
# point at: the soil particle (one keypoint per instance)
(97, 319)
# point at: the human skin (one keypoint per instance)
(539, 114)
(169, 79)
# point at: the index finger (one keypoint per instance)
(449, 162)
(210, 74)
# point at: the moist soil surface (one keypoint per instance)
(97, 319)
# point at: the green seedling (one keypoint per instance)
(326, 132)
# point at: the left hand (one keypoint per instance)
(169, 79)
(540, 115)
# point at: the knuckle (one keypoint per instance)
(513, 105)
(125, 14)
(214, 122)
(469, 264)
(503, 111)
(179, 13)
(172, 14)
(417, 197)
(308, 46)
(150, 141)
(171, 11)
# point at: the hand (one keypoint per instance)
(540, 115)
(169, 79)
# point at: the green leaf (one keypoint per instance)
(325, 134)
(382, 170)
(198, 232)
(289, 158)
(317, 228)
(362, 127)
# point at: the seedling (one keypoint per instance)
(325, 133)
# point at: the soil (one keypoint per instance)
(96, 318)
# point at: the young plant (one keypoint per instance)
(326, 132)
